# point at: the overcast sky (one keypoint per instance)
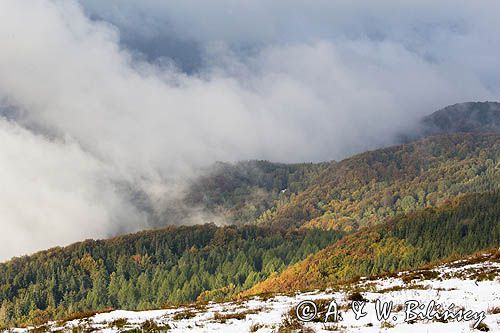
(104, 92)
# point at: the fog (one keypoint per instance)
(98, 94)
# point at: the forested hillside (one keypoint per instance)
(365, 188)
(463, 117)
(370, 187)
(360, 190)
(242, 191)
(456, 228)
(149, 269)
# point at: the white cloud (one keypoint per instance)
(54, 193)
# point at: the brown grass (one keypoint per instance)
(186, 314)
(494, 310)
(223, 317)
(84, 314)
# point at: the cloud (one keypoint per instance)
(54, 193)
(452, 32)
(96, 96)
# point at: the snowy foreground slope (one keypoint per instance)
(473, 287)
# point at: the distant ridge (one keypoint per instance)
(478, 117)
(468, 117)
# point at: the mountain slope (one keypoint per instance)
(462, 226)
(370, 187)
(472, 283)
(249, 191)
(477, 117)
(148, 269)
(180, 264)
(242, 191)
(289, 208)
(468, 117)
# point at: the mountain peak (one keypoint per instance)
(463, 117)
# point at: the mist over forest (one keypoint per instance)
(109, 109)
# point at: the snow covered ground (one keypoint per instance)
(473, 289)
